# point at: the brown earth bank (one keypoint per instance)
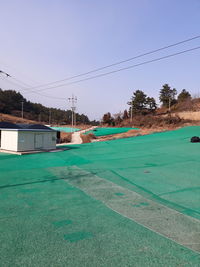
(14, 119)
(189, 115)
(65, 137)
(133, 133)
(154, 121)
(190, 104)
(87, 138)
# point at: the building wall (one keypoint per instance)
(9, 140)
(50, 140)
(27, 140)
(30, 140)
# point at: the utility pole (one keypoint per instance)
(131, 112)
(73, 101)
(75, 116)
(169, 105)
(22, 109)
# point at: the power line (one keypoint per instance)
(3, 72)
(118, 70)
(19, 81)
(7, 66)
(117, 63)
(24, 85)
(37, 93)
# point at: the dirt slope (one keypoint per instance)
(14, 119)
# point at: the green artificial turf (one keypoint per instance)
(48, 220)
(109, 131)
(65, 129)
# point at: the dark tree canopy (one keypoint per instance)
(184, 95)
(138, 100)
(141, 103)
(167, 96)
(11, 103)
(108, 119)
(125, 115)
(151, 104)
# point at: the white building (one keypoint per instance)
(26, 137)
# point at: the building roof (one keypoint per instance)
(20, 126)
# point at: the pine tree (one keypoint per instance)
(167, 96)
(125, 115)
(184, 95)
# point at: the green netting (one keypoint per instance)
(162, 166)
(108, 131)
(66, 129)
(103, 204)
(48, 222)
(157, 217)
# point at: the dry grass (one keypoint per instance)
(154, 121)
(187, 105)
(189, 115)
(14, 119)
(149, 124)
(65, 137)
(132, 133)
(86, 138)
(92, 136)
(143, 131)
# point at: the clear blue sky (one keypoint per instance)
(45, 40)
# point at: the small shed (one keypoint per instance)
(26, 137)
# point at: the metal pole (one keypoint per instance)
(75, 110)
(74, 116)
(73, 100)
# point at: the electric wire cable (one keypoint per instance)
(37, 93)
(117, 70)
(118, 63)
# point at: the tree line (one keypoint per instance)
(141, 104)
(11, 103)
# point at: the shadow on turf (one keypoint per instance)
(37, 182)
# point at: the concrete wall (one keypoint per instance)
(27, 140)
(9, 140)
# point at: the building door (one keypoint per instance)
(38, 141)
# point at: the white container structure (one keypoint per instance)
(26, 137)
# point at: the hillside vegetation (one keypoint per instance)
(14, 119)
(11, 103)
(175, 110)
